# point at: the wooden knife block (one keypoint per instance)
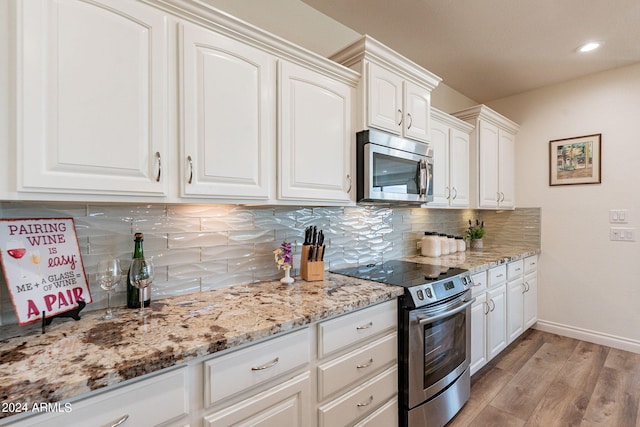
(310, 271)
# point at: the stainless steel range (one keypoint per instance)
(435, 338)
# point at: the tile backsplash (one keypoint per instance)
(201, 247)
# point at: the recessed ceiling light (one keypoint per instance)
(588, 47)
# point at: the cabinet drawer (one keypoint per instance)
(496, 276)
(386, 416)
(230, 374)
(530, 263)
(361, 401)
(149, 402)
(357, 365)
(479, 283)
(284, 405)
(515, 269)
(345, 331)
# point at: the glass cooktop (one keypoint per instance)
(401, 273)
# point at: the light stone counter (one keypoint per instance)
(74, 358)
(476, 259)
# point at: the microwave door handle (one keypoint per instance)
(448, 313)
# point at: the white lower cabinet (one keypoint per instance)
(280, 382)
(286, 404)
(505, 307)
(162, 399)
(357, 368)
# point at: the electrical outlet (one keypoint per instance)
(622, 234)
(618, 216)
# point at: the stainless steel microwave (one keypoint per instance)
(393, 169)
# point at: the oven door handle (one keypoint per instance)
(448, 313)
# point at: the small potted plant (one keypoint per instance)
(284, 261)
(475, 233)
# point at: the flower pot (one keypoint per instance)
(476, 244)
(287, 279)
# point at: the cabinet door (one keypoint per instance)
(228, 106)
(459, 168)
(488, 163)
(417, 112)
(530, 300)
(440, 144)
(284, 405)
(384, 99)
(314, 136)
(91, 107)
(506, 172)
(479, 311)
(497, 321)
(515, 308)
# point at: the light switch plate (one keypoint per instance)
(622, 234)
(618, 216)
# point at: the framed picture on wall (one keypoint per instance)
(575, 160)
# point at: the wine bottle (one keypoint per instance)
(133, 293)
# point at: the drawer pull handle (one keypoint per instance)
(369, 402)
(367, 326)
(271, 364)
(500, 275)
(365, 365)
(124, 418)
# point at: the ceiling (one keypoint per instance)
(489, 49)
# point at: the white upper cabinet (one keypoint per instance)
(385, 99)
(492, 158)
(119, 100)
(315, 136)
(91, 100)
(417, 112)
(228, 114)
(394, 94)
(450, 141)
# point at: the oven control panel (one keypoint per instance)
(430, 293)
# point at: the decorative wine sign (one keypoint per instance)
(42, 266)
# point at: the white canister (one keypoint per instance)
(430, 244)
(444, 244)
(460, 243)
(453, 247)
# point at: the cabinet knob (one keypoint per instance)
(122, 419)
(367, 403)
(190, 161)
(271, 364)
(367, 326)
(159, 161)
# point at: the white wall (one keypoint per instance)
(589, 286)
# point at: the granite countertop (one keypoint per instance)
(74, 358)
(478, 259)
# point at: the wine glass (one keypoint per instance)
(141, 274)
(108, 277)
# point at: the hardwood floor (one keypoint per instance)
(547, 380)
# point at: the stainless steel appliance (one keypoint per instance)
(434, 342)
(393, 169)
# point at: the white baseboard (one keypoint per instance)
(589, 336)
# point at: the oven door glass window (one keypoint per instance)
(395, 175)
(444, 347)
